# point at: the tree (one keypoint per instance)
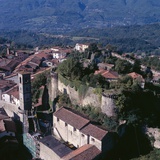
(123, 66)
(93, 47)
(110, 48)
(136, 66)
(70, 68)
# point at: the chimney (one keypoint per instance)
(8, 51)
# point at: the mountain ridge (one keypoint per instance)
(63, 15)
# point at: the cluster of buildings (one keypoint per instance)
(73, 136)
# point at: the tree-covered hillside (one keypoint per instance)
(62, 15)
(145, 38)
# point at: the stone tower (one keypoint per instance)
(25, 91)
(107, 105)
(25, 99)
(54, 86)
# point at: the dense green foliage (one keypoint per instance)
(39, 81)
(155, 154)
(127, 39)
(29, 39)
(136, 39)
(73, 73)
(123, 66)
(153, 62)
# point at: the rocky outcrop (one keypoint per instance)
(154, 135)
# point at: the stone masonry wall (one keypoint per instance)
(104, 102)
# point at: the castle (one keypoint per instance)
(68, 128)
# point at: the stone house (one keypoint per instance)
(52, 149)
(138, 77)
(81, 47)
(12, 96)
(95, 136)
(7, 125)
(60, 53)
(78, 130)
(67, 126)
(108, 74)
(20, 55)
(5, 85)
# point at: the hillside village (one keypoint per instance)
(82, 102)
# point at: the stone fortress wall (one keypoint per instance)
(105, 102)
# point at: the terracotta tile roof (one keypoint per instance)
(68, 116)
(86, 152)
(94, 131)
(36, 60)
(24, 62)
(6, 84)
(107, 74)
(13, 64)
(42, 55)
(4, 61)
(5, 68)
(13, 91)
(55, 61)
(134, 75)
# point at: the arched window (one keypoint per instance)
(20, 80)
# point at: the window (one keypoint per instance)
(65, 124)
(82, 135)
(74, 129)
(26, 80)
(92, 139)
(20, 80)
(57, 119)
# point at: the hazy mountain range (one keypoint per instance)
(65, 15)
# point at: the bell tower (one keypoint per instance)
(24, 79)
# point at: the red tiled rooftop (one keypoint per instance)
(134, 75)
(107, 74)
(94, 131)
(6, 83)
(13, 91)
(4, 61)
(42, 55)
(71, 118)
(86, 152)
